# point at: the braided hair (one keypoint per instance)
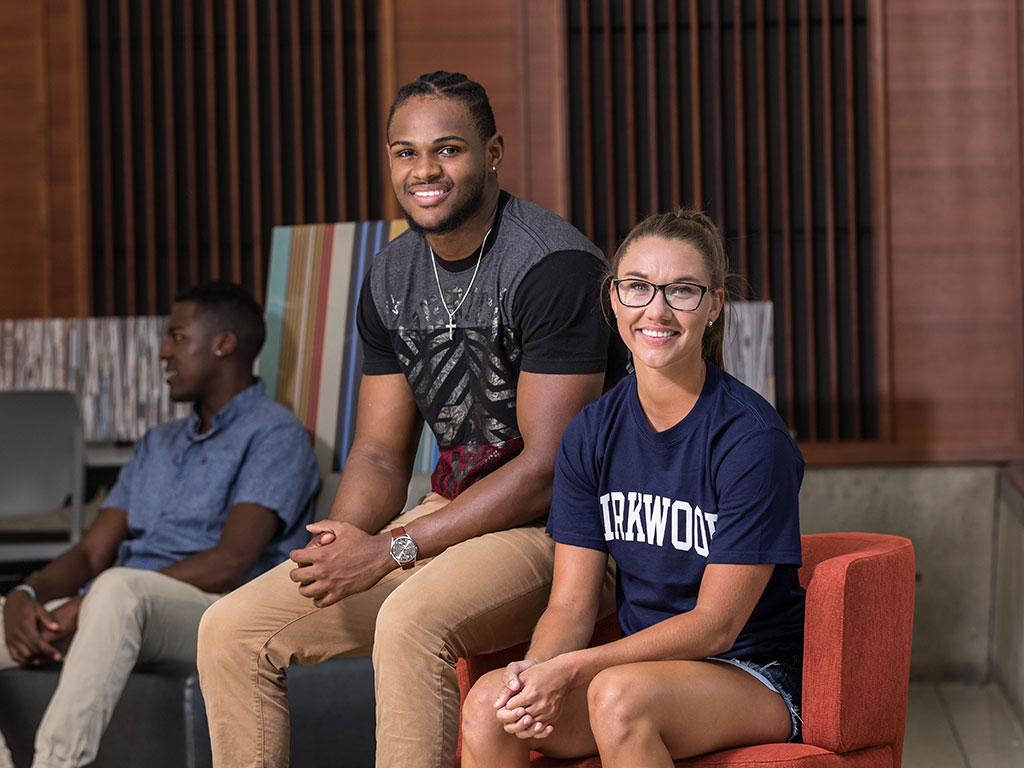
(450, 85)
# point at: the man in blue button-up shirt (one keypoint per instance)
(206, 503)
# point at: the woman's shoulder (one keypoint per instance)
(742, 415)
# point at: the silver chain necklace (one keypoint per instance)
(450, 325)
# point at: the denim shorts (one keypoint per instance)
(782, 675)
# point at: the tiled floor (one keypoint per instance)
(950, 725)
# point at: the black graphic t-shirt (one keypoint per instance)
(534, 306)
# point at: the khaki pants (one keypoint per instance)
(128, 616)
(481, 595)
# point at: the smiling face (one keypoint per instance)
(659, 337)
(189, 353)
(439, 164)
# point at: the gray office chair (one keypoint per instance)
(42, 465)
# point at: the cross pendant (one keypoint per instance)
(451, 327)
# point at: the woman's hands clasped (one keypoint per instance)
(531, 700)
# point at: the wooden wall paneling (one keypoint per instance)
(545, 64)
(807, 164)
(191, 152)
(364, 142)
(388, 65)
(275, 115)
(764, 189)
(742, 234)
(607, 79)
(587, 119)
(717, 117)
(233, 86)
(25, 218)
(298, 185)
(631, 180)
(653, 91)
(106, 169)
(167, 151)
(674, 122)
(256, 158)
(829, 300)
(1016, 271)
(785, 306)
(853, 237)
(128, 157)
(317, 98)
(148, 150)
(954, 155)
(211, 182)
(696, 121)
(337, 62)
(68, 179)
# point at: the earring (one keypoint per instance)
(710, 323)
(494, 169)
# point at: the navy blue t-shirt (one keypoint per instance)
(720, 486)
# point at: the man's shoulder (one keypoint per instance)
(522, 219)
(272, 415)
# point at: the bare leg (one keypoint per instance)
(651, 713)
(485, 744)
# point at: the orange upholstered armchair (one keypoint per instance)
(860, 607)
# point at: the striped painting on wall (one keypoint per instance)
(312, 358)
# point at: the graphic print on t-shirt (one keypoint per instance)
(648, 518)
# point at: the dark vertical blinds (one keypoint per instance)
(756, 111)
(210, 122)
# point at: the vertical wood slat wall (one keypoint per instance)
(211, 122)
(756, 111)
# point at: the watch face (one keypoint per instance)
(404, 549)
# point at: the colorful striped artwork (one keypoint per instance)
(312, 358)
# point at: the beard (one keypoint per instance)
(458, 217)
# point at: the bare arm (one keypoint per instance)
(375, 480)
(728, 594)
(568, 622)
(519, 491)
(246, 532)
(531, 702)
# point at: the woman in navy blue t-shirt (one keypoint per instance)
(688, 479)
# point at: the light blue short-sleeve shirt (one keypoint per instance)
(180, 485)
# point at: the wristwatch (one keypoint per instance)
(403, 548)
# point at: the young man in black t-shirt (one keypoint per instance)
(484, 320)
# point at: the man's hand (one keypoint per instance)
(29, 630)
(341, 560)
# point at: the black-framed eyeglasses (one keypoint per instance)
(634, 292)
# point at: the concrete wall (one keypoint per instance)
(1008, 618)
(949, 514)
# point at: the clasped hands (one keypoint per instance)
(339, 561)
(31, 630)
(530, 702)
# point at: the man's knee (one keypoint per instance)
(406, 617)
(116, 589)
(217, 629)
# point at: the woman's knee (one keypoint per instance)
(618, 708)
(479, 721)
